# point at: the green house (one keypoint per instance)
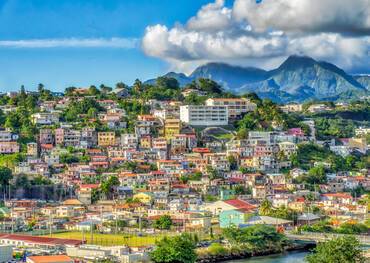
(234, 217)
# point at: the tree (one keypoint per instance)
(265, 207)
(212, 173)
(258, 237)
(40, 88)
(138, 86)
(164, 222)
(316, 175)
(342, 249)
(167, 83)
(105, 89)
(241, 190)
(108, 185)
(208, 86)
(69, 91)
(93, 91)
(178, 249)
(232, 161)
(5, 176)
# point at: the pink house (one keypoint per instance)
(9, 147)
(296, 132)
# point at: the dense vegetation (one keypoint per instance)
(256, 238)
(345, 228)
(179, 249)
(343, 249)
(310, 153)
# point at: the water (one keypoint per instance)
(291, 257)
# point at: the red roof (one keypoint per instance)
(50, 258)
(41, 240)
(47, 146)
(240, 204)
(338, 195)
(201, 150)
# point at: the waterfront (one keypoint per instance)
(290, 257)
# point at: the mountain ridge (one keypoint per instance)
(297, 79)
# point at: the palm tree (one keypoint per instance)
(265, 207)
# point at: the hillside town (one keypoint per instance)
(101, 174)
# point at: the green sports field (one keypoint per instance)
(111, 239)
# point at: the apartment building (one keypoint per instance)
(45, 118)
(172, 127)
(291, 108)
(46, 136)
(235, 106)
(106, 138)
(129, 140)
(9, 147)
(67, 137)
(203, 115)
(7, 136)
(32, 149)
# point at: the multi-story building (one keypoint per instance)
(288, 148)
(201, 115)
(45, 118)
(88, 137)
(235, 106)
(291, 108)
(7, 136)
(160, 143)
(9, 147)
(172, 127)
(167, 113)
(46, 136)
(67, 137)
(106, 138)
(32, 149)
(129, 140)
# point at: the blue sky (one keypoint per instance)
(61, 43)
(61, 66)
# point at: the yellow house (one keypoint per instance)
(146, 142)
(171, 127)
(247, 162)
(297, 206)
(106, 138)
(143, 197)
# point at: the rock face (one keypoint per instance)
(364, 80)
(298, 78)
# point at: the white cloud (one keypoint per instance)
(340, 16)
(126, 43)
(211, 17)
(264, 34)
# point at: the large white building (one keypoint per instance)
(45, 118)
(235, 106)
(203, 115)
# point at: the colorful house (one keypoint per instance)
(234, 217)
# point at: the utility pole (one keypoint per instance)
(50, 223)
(91, 232)
(116, 230)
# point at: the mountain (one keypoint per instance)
(364, 80)
(230, 77)
(298, 78)
(303, 78)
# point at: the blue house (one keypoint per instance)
(234, 217)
